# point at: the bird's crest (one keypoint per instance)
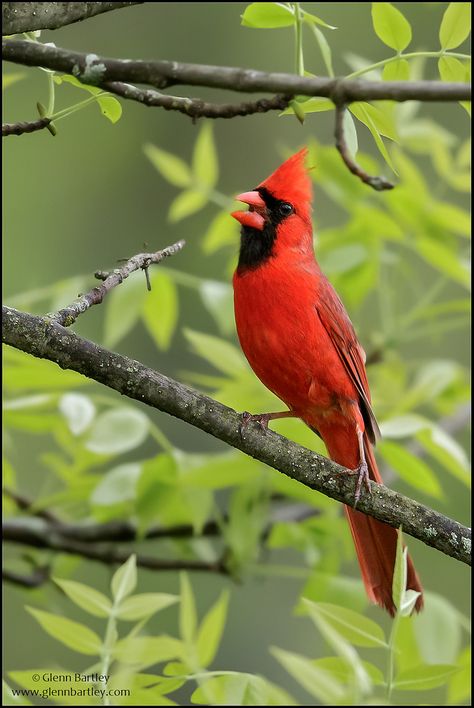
(291, 182)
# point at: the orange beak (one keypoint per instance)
(255, 216)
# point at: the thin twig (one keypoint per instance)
(38, 577)
(26, 504)
(48, 340)
(22, 128)
(195, 107)
(97, 70)
(68, 315)
(377, 183)
(38, 533)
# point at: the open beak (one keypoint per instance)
(255, 216)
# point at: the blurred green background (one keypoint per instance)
(90, 196)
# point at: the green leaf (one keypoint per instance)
(10, 79)
(324, 47)
(187, 615)
(354, 627)
(220, 471)
(444, 448)
(78, 410)
(267, 15)
(342, 671)
(345, 258)
(222, 232)
(124, 580)
(110, 108)
(451, 69)
(443, 259)
(403, 426)
(240, 689)
(455, 25)
(27, 373)
(379, 117)
(460, 685)
(399, 580)
(350, 132)
(74, 635)
(312, 105)
(337, 641)
(123, 307)
(171, 167)
(320, 683)
(219, 300)
(410, 468)
(90, 600)
(185, 204)
(211, 630)
(160, 309)
(396, 71)
(391, 26)
(218, 352)
(314, 20)
(118, 430)
(147, 651)
(8, 698)
(205, 164)
(144, 605)
(118, 485)
(373, 118)
(438, 631)
(424, 677)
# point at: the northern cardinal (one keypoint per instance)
(301, 344)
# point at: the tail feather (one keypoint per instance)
(376, 545)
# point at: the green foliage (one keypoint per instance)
(400, 263)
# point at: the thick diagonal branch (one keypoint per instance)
(20, 17)
(96, 70)
(46, 339)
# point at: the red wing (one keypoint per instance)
(337, 324)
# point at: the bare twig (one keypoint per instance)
(22, 128)
(96, 70)
(26, 504)
(69, 314)
(38, 577)
(377, 183)
(38, 533)
(46, 339)
(195, 107)
(29, 16)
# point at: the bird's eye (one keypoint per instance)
(285, 209)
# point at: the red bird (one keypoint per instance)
(301, 344)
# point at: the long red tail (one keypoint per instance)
(376, 545)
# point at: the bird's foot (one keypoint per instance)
(362, 472)
(260, 418)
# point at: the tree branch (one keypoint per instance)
(195, 107)
(22, 127)
(69, 314)
(92, 69)
(20, 17)
(377, 183)
(41, 534)
(44, 338)
(38, 577)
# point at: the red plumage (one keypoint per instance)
(300, 342)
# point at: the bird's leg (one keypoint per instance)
(263, 419)
(362, 470)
